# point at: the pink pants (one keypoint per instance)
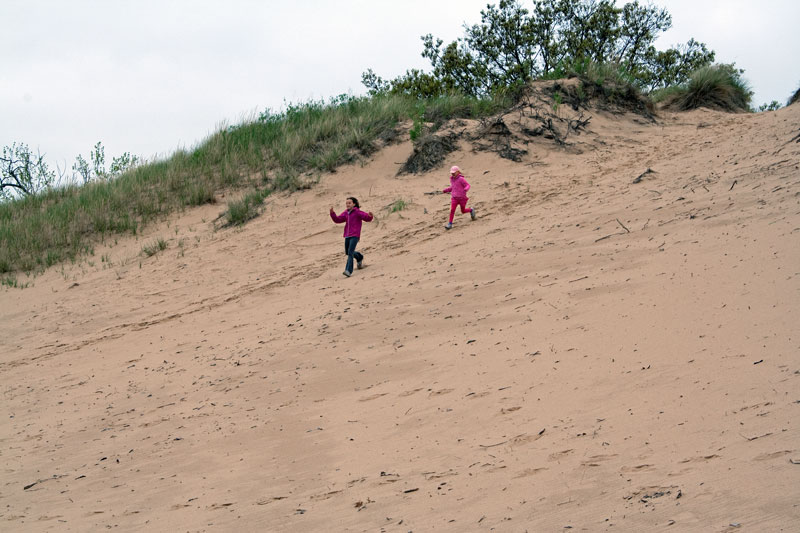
(458, 201)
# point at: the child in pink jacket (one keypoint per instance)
(458, 195)
(352, 218)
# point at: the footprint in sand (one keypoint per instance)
(372, 397)
(700, 459)
(595, 460)
(529, 472)
(559, 455)
(773, 455)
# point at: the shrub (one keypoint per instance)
(716, 87)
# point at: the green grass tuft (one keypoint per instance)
(397, 205)
(154, 247)
(246, 208)
(717, 87)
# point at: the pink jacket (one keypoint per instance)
(458, 187)
(352, 221)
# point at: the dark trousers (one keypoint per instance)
(350, 250)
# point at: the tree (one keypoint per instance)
(23, 173)
(513, 45)
(98, 171)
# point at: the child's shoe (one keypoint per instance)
(347, 273)
(359, 265)
(448, 225)
(472, 214)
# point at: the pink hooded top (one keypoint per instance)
(352, 221)
(458, 186)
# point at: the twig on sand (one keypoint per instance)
(643, 174)
(757, 437)
(733, 185)
(623, 226)
(501, 443)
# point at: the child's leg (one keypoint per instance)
(453, 204)
(463, 203)
(350, 244)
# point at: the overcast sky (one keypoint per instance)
(150, 76)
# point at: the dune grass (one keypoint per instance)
(397, 206)
(716, 87)
(273, 152)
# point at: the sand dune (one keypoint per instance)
(591, 354)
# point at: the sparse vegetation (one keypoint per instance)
(397, 205)
(154, 247)
(9, 280)
(716, 87)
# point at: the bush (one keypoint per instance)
(716, 87)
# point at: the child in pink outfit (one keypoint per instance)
(458, 195)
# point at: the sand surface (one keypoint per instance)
(590, 354)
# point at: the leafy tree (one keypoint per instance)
(514, 45)
(23, 173)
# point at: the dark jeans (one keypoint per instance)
(350, 250)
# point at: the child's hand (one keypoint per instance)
(370, 214)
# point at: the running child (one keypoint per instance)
(352, 218)
(458, 195)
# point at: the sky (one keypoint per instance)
(151, 76)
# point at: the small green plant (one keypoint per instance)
(154, 247)
(419, 123)
(556, 100)
(11, 281)
(580, 92)
(772, 106)
(397, 205)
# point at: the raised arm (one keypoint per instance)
(337, 218)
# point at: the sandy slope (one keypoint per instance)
(590, 353)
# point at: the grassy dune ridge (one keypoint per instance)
(273, 152)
